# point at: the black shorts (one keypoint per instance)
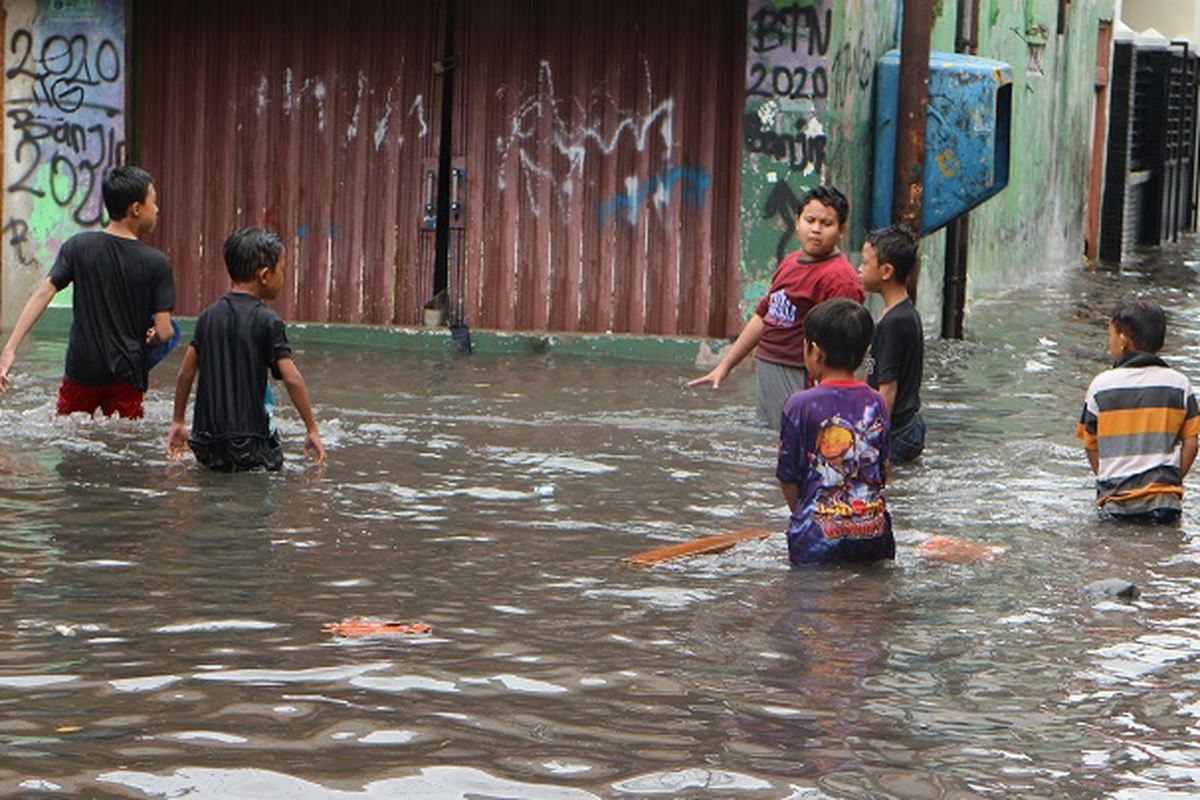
(238, 453)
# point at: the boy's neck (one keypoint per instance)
(1137, 358)
(823, 257)
(122, 229)
(893, 294)
(251, 287)
(836, 375)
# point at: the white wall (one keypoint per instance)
(1175, 19)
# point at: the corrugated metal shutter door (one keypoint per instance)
(313, 118)
(602, 151)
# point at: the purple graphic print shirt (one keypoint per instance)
(833, 444)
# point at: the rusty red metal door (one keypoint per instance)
(601, 147)
(593, 148)
(314, 118)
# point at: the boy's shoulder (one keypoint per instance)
(239, 304)
(835, 394)
(1126, 376)
(902, 315)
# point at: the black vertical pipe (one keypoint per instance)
(441, 248)
(958, 232)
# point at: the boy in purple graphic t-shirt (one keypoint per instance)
(834, 446)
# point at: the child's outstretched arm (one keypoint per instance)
(177, 437)
(746, 341)
(297, 390)
(34, 306)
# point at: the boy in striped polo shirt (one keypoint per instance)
(1140, 421)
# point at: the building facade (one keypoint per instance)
(621, 166)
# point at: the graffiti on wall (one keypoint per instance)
(64, 106)
(393, 119)
(538, 117)
(792, 72)
(656, 193)
(787, 84)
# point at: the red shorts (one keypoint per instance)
(121, 398)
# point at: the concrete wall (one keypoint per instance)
(1035, 224)
(64, 104)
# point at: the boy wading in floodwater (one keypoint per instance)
(1140, 421)
(833, 446)
(237, 341)
(889, 258)
(121, 285)
(816, 272)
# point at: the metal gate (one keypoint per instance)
(313, 118)
(587, 179)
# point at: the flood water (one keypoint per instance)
(161, 626)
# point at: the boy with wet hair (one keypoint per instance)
(1140, 421)
(121, 286)
(833, 446)
(816, 272)
(237, 341)
(889, 262)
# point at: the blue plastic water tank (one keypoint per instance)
(967, 135)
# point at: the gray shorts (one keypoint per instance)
(776, 383)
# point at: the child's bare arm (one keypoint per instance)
(160, 330)
(177, 437)
(746, 341)
(888, 392)
(791, 493)
(34, 306)
(297, 390)
(1187, 455)
(1094, 459)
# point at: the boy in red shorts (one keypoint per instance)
(121, 284)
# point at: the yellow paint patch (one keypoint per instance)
(947, 163)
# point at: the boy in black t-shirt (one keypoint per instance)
(121, 285)
(889, 260)
(237, 341)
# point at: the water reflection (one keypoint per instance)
(161, 626)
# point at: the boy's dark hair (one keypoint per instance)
(122, 187)
(248, 250)
(1144, 322)
(843, 329)
(827, 195)
(895, 245)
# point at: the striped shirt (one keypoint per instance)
(1135, 417)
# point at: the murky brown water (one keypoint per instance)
(160, 627)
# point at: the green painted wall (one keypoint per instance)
(1034, 225)
(809, 78)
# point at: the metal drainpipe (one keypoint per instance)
(954, 280)
(908, 191)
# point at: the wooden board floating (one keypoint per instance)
(707, 545)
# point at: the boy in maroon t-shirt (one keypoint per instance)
(818, 271)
